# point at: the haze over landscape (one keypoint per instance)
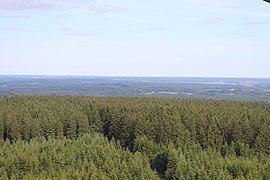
(197, 38)
(134, 89)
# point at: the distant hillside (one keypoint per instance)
(175, 87)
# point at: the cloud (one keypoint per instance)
(260, 6)
(131, 19)
(210, 21)
(67, 29)
(26, 4)
(15, 15)
(235, 6)
(157, 29)
(74, 32)
(46, 5)
(106, 9)
(11, 28)
(80, 33)
(41, 4)
(246, 9)
(255, 23)
(243, 35)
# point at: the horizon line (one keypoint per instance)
(132, 76)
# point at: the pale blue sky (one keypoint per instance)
(208, 38)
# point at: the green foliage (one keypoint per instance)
(88, 157)
(207, 122)
(178, 138)
(194, 162)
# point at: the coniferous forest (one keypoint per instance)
(84, 137)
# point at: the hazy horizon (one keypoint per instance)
(173, 38)
(127, 76)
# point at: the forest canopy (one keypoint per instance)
(146, 138)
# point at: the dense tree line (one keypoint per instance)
(216, 139)
(92, 156)
(178, 161)
(88, 157)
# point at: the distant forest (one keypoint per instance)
(173, 87)
(85, 137)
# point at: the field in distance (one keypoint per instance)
(176, 87)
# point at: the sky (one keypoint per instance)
(187, 38)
